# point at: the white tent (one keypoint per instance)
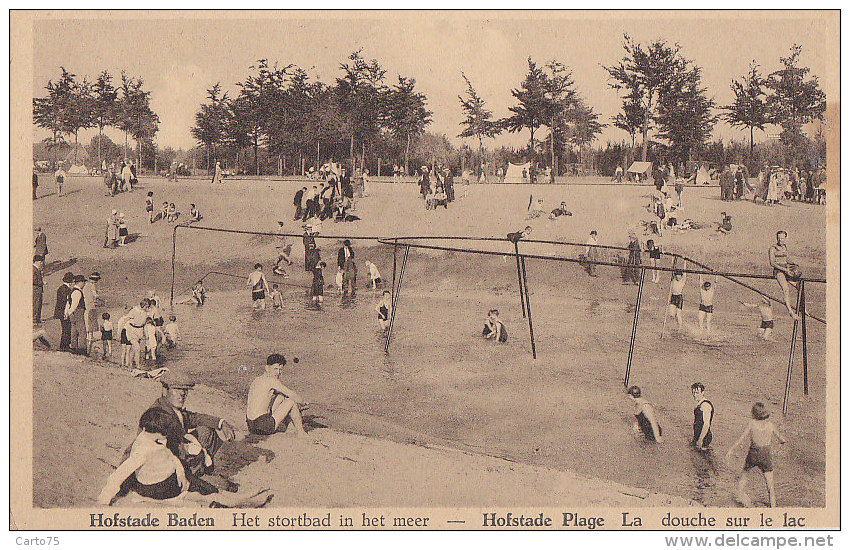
(514, 173)
(78, 169)
(702, 176)
(639, 167)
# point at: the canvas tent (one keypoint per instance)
(702, 176)
(514, 173)
(78, 169)
(640, 170)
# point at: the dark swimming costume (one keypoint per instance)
(758, 457)
(107, 334)
(646, 426)
(767, 324)
(383, 313)
(149, 208)
(676, 300)
(705, 308)
(318, 288)
(655, 254)
(124, 339)
(167, 488)
(699, 422)
(122, 232)
(258, 294)
(262, 425)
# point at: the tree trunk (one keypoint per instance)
(407, 156)
(480, 157)
(99, 143)
(256, 155)
(351, 152)
(552, 151)
(751, 142)
(645, 130)
(318, 144)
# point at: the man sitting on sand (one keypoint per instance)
(270, 403)
(200, 435)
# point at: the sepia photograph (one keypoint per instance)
(425, 270)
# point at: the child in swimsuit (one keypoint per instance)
(199, 293)
(654, 257)
(123, 232)
(677, 287)
(706, 302)
(150, 339)
(106, 335)
(149, 205)
(339, 279)
(375, 280)
(760, 432)
(163, 213)
(277, 299)
(644, 413)
(152, 470)
(384, 309)
(172, 213)
(259, 287)
(194, 214)
(493, 328)
(766, 311)
(170, 331)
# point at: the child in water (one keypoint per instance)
(760, 432)
(277, 299)
(647, 423)
(149, 205)
(199, 293)
(171, 331)
(150, 339)
(317, 291)
(384, 309)
(766, 311)
(706, 302)
(493, 328)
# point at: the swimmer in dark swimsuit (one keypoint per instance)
(646, 423)
(152, 469)
(777, 255)
(703, 416)
(493, 328)
(706, 302)
(760, 432)
(677, 287)
(654, 258)
(384, 309)
(766, 311)
(259, 287)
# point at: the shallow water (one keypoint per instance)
(441, 383)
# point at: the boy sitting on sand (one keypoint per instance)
(194, 214)
(199, 293)
(271, 404)
(173, 214)
(493, 328)
(560, 211)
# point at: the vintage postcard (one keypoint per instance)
(425, 270)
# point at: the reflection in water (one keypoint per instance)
(441, 383)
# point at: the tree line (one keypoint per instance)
(279, 114)
(73, 104)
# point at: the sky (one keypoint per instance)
(180, 57)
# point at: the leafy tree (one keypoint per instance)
(685, 118)
(530, 111)
(102, 145)
(81, 114)
(407, 114)
(794, 100)
(631, 119)
(643, 74)
(478, 119)
(54, 111)
(210, 121)
(361, 95)
(750, 107)
(103, 106)
(560, 106)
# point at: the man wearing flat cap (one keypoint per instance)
(197, 433)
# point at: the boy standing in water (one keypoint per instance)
(106, 336)
(199, 293)
(647, 423)
(766, 311)
(760, 432)
(493, 328)
(706, 302)
(171, 331)
(149, 205)
(703, 415)
(277, 299)
(259, 286)
(677, 287)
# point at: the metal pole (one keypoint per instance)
(667, 303)
(791, 353)
(802, 314)
(395, 257)
(519, 279)
(528, 309)
(395, 299)
(173, 254)
(634, 328)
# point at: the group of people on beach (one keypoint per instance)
(120, 178)
(759, 433)
(141, 331)
(168, 211)
(173, 453)
(332, 199)
(436, 189)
